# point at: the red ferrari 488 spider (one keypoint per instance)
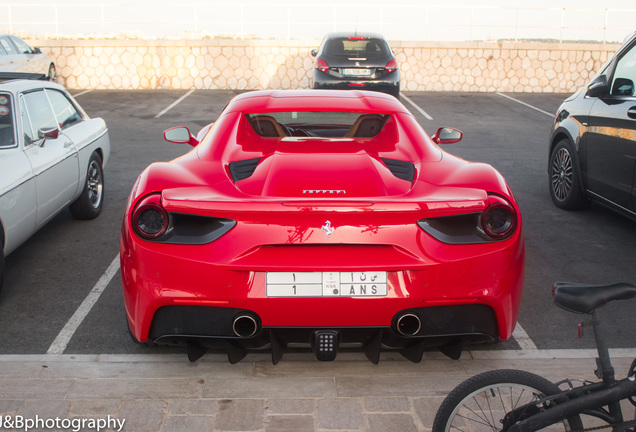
(322, 219)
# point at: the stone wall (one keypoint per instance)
(276, 64)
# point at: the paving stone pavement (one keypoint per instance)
(166, 393)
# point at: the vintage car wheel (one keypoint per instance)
(89, 204)
(565, 178)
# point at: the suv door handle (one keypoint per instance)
(631, 113)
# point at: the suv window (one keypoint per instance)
(625, 74)
(65, 112)
(39, 114)
(7, 132)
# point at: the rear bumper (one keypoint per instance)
(6, 76)
(174, 294)
(240, 331)
(389, 84)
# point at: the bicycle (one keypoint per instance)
(512, 400)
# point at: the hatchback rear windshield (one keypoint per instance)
(366, 48)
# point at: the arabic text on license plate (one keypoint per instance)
(357, 72)
(327, 284)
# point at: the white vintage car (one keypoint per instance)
(19, 61)
(52, 156)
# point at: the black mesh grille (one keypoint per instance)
(401, 169)
(240, 170)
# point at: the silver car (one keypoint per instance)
(19, 60)
(52, 156)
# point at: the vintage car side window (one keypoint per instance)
(40, 115)
(7, 130)
(65, 112)
(7, 46)
(625, 75)
(23, 48)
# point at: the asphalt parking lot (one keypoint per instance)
(50, 277)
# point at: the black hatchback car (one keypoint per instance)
(593, 141)
(362, 61)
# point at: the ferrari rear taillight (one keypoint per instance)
(499, 220)
(150, 220)
(391, 66)
(496, 223)
(322, 65)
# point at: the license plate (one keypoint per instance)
(327, 284)
(357, 72)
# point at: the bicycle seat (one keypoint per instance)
(584, 298)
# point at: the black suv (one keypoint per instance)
(593, 141)
(360, 61)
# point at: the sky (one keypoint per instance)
(444, 20)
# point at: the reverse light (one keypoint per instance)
(150, 220)
(499, 220)
(391, 66)
(322, 65)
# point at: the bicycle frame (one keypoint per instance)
(587, 399)
(589, 403)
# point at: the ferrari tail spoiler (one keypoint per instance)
(204, 202)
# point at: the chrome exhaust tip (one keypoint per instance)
(408, 324)
(244, 326)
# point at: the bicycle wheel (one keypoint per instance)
(481, 402)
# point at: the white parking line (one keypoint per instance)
(421, 111)
(525, 104)
(523, 339)
(174, 104)
(63, 338)
(84, 92)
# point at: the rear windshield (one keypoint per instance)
(7, 132)
(317, 124)
(353, 47)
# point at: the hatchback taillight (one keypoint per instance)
(391, 66)
(322, 65)
(150, 220)
(499, 220)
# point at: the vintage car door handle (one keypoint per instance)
(631, 113)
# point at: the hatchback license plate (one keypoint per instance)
(357, 72)
(327, 284)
